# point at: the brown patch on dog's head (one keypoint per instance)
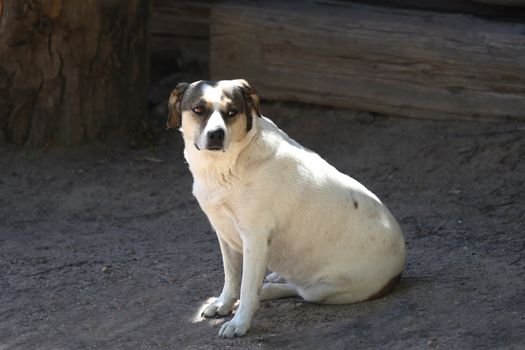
(251, 97)
(174, 105)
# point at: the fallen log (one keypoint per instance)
(393, 61)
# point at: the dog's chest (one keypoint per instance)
(217, 204)
(213, 197)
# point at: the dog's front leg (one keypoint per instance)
(255, 257)
(232, 262)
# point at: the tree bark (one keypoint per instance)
(72, 71)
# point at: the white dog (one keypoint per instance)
(276, 205)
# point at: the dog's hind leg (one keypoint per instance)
(271, 291)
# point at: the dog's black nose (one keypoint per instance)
(216, 135)
(215, 139)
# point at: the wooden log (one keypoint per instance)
(72, 72)
(400, 62)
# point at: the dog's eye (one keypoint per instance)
(198, 110)
(231, 113)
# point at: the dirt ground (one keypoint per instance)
(104, 247)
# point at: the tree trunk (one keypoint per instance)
(72, 71)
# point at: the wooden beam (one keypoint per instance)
(393, 61)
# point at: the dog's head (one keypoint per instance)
(213, 114)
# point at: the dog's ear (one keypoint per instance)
(250, 96)
(174, 105)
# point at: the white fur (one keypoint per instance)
(278, 206)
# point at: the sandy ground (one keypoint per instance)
(104, 247)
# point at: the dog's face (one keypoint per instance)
(213, 114)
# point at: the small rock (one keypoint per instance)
(105, 268)
(153, 159)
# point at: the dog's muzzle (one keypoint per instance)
(215, 140)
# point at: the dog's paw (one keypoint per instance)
(234, 328)
(218, 307)
(274, 277)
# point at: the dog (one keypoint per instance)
(278, 206)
